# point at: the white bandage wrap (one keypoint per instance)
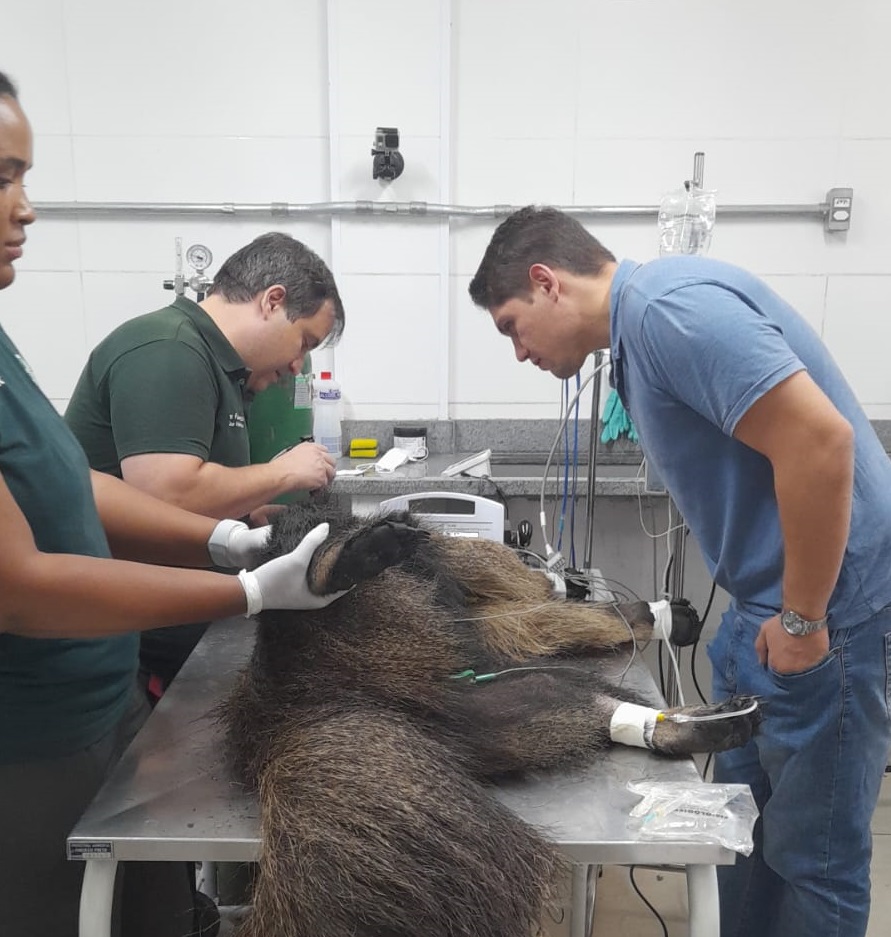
(252, 591)
(661, 611)
(218, 544)
(633, 725)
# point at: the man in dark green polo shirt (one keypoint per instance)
(161, 401)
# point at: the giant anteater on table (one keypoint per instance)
(370, 751)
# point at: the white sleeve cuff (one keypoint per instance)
(252, 592)
(218, 544)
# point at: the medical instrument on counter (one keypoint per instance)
(391, 460)
(476, 466)
(199, 259)
(453, 513)
(414, 439)
(359, 470)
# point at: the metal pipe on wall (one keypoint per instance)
(817, 210)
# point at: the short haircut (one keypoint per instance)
(277, 258)
(533, 235)
(7, 88)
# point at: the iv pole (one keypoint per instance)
(679, 534)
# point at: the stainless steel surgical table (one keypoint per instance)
(172, 797)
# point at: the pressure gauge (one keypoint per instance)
(199, 257)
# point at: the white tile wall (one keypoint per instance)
(33, 53)
(161, 168)
(858, 333)
(640, 172)
(806, 293)
(388, 360)
(389, 246)
(867, 246)
(119, 245)
(781, 246)
(52, 174)
(52, 245)
(45, 319)
(693, 68)
(867, 68)
(113, 298)
(484, 367)
(513, 171)
(600, 102)
(174, 68)
(516, 69)
(388, 66)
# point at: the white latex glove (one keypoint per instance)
(233, 543)
(281, 583)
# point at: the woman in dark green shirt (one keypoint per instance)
(75, 587)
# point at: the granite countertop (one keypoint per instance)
(508, 478)
(519, 451)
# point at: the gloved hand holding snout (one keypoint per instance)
(282, 582)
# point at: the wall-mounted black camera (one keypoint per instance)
(388, 162)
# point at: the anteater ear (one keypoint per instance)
(367, 553)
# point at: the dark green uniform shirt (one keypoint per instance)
(56, 696)
(168, 381)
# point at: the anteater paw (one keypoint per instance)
(638, 617)
(713, 728)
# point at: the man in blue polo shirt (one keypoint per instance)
(787, 489)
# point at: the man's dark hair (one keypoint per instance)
(8, 88)
(533, 235)
(278, 258)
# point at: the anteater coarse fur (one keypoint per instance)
(371, 753)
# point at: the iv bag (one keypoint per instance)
(686, 219)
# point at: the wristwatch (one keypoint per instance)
(793, 623)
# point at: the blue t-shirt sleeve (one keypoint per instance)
(714, 352)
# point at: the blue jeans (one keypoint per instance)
(814, 768)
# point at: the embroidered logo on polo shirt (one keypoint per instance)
(236, 420)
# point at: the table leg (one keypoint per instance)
(702, 898)
(97, 897)
(578, 904)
